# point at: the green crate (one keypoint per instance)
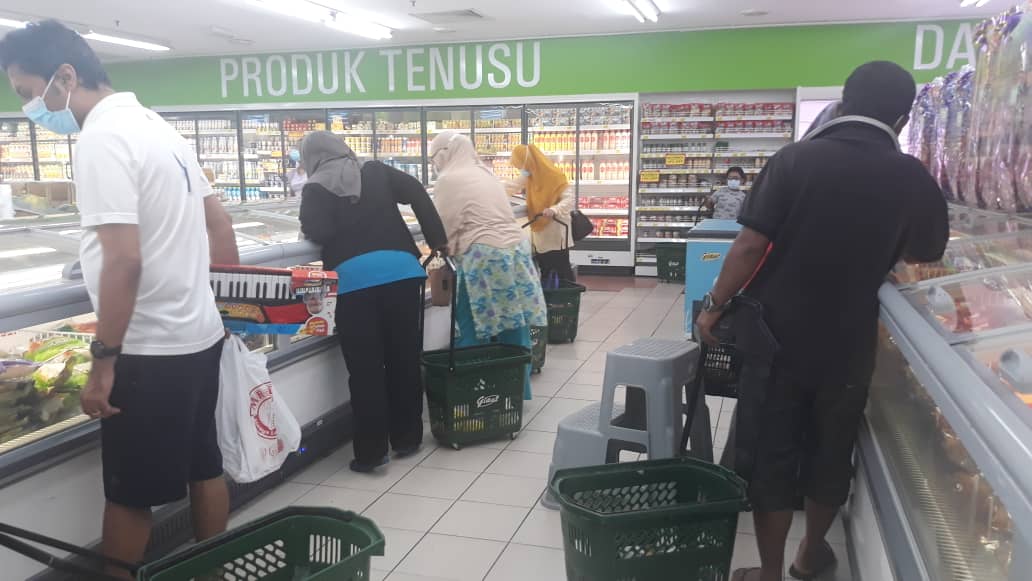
(481, 399)
(670, 259)
(649, 521)
(294, 544)
(563, 311)
(539, 348)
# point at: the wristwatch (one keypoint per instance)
(709, 304)
(101, 351)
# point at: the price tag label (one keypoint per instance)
(650, 177)
(675, 159)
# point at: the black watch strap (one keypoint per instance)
(101, 351)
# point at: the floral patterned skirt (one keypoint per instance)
(503, 287)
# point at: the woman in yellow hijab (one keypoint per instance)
(548, 196)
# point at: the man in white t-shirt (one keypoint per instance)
(151, 228)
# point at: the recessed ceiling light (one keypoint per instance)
(11, 23)
(444, 29)
(754, 12)
(125, 42)
(975, 3)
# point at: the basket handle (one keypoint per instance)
(454, 302)
(11, 537)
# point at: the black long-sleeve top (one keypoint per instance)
(346, 228)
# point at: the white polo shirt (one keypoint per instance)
(131, 167)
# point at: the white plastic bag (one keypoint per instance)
(256, 429)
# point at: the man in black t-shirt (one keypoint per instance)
(838, 211)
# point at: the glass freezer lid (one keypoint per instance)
(1007, 359)
(977, 304)
(971, 222)
(27, 262)
(966, 254)
(265, 230)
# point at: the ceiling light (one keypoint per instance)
(975, 3)
(125, 42)
(754, 12)
(11, 23)
(643, 10)
(314, 12)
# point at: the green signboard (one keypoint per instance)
(712, 60)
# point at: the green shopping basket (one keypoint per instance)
(539, 348)
(563, 305)
(649, 521)
(294, 544)
(474, 394)
(670, 261)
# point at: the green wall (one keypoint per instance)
(715, 60)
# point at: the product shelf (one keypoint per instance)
(675, 190)
(610, 212)
(774, 117)
(666, 224)
(754, 135)
(702, 119)
(677, 136)
(686, 154)
(669, 208)
(661, 240)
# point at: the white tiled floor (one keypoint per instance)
(473, 514)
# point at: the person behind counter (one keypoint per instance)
(351, 210)
(150, 227)
(500, 295)
(837, 210)
(727, 202)
(297, 176)
(548, 196)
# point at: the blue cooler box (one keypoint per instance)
(707, 246)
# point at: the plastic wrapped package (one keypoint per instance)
(969, 184)
(935, 125)
(922, 122)
(996, 169)
(957, 131)
(1022, 166)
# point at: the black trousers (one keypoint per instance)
(380, 338)
(557, 261)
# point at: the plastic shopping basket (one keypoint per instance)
(294, 544)
(719, 365)
(539, 348)
(563, 305)
(474, 393)
(649, 521)
(670, 262)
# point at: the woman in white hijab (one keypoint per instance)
(499, 290)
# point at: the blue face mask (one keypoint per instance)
(295, 155)
(61, 122)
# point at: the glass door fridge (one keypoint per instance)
(356, 127)
(399, 140)
(496, 131)
(218, 149)
(54, 155)
(186, 125)
(16, 151)
(295, 125)
(439, 120)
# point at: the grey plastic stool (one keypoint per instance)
(654, 372)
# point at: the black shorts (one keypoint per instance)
(795, 437)
(165, 436)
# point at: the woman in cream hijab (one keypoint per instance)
(499, 293)
(548, 196)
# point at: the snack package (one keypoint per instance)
(969, 185)
(997, 165)
(921, 125)
(958, 111)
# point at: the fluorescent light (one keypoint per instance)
(20, 252)
(975, 3)
(12, 23)
(643, 10)
(314, 12)
(125, 42)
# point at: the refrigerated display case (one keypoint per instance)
(218, 146)
(53, 154)
(945, 444)
(496, 132)
(356, 127)
(591, 144)
(441, 119)
(400, 140)
(16, 151)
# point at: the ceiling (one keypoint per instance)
(187, 25)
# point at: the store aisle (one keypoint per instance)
(473, 514)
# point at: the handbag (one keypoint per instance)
(580, 225)
(440, 279)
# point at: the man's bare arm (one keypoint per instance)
(741, 262)
(221, 237)
(119, 280)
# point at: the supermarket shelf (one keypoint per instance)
(675, 190)
(677, 136)
(271, 188)
(605, 152)
(646, 260)
(749, 171)
(399, 155)
(227, 156)
(624, 182)
(687, 154)
(754, 136)
(559, 153)
(353, 131)
(462, 130)
(660, 240)
(16, 161)
(223, 131)
(701, 119)
(669, 208)
(398, 132)
(615, 212)
(606, 238)
(775, 117)
(567, 128)
(734, 154)
(498, 130)
(496, 154)
(668, 171)
(666, 224)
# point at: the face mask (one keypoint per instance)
(61, 122)
(525, 173)
(734, 184)
(295, 155)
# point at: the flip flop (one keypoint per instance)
(743, 574)
(826, 560)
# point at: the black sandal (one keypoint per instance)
(826, 560)
(743, 574)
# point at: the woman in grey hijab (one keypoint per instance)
(351, 210)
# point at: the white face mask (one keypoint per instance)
(734, 183)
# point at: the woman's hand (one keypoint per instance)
(549, 213)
